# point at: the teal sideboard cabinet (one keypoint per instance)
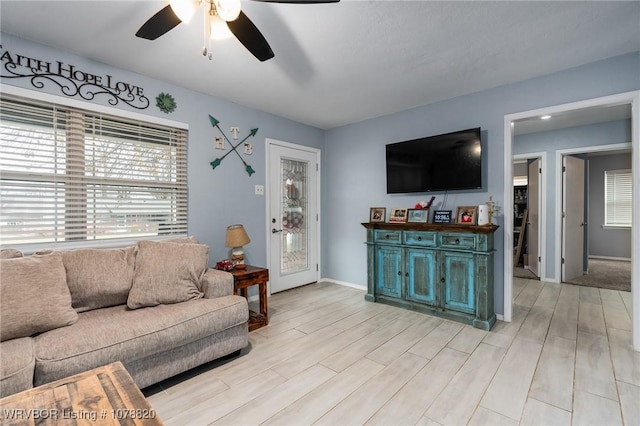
(443, 270)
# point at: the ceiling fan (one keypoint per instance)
(222, 19)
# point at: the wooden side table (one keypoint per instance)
(245, 278)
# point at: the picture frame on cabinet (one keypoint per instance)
(467, 215)
(418, 216)
(377, 214)
(398, 215)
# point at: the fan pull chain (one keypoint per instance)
(207, 37)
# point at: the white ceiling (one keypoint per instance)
(341, 63)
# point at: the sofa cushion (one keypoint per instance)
(34, 296)
(98, 278)
(17, 364)
(167, 273)
(113, 334)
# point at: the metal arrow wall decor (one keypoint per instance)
(215, 163)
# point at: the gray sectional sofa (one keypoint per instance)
(154, 306)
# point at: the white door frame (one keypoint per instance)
(558, 216)
(542, 208)
(268, 143)
(632, 98)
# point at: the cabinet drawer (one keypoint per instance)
(383, 236)
(463, 241)
(420, 238)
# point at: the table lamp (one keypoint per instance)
(236, 238)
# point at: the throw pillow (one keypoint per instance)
(34, 296)
(167, 273)
(10, 253)
(99, 278)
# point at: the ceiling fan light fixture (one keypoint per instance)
(219, 28)
(228, 10)
(184, 9)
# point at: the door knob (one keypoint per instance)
(275, 231)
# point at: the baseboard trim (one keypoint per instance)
(620, 259)
(345, 284)
(500, 317)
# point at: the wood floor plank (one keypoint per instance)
(404, 340)
(553, 380)
(261, 409)
(361, 348)
(589, 409)
(616, 315)
(420, 392)
(467, 340)
(429, 346)
(591, 318)
(626, 361)
(295, 365)
(219, 405)
(538, 413)
(508, 390)
(629, 403)
(322, 399)
(457, 402)
(484, 416)
(564, 322)
(594, 370)
(529, 294)
(366, 400)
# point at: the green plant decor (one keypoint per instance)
(166, 103)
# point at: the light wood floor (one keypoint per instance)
(329, 357)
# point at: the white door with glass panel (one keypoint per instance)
(293, 215)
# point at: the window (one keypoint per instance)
(617, 198)
(72, 176)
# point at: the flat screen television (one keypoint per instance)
(452, 161)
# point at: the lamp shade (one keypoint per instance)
(237, 236)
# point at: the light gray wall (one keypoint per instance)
(605, 242)
(355, 155)
(217, 198)
(612, 132)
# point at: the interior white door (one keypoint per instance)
(533, 248)
(293, 216)
(573, 217)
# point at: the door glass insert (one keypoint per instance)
(294, 208)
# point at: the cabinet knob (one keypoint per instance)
(399, 273)
(387, 236)
(442, 280)
(419, 238)
(457, 240)
(406, 274)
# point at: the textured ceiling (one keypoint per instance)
(341, 63)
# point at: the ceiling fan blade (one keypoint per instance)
(250, 37)
(299, 1)
(159, 24)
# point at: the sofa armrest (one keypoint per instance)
(217, 283)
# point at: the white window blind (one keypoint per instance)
(71, 175)
(617, 197)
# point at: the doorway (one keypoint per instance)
(529, 192)
(632, 100)
(293, 215)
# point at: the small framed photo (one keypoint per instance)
(377, 214)
(418, 216)
(467, 215)
(398, 215)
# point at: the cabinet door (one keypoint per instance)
(389, 270)
(421, 275)
(459, 281)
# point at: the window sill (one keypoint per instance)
(607, 227)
